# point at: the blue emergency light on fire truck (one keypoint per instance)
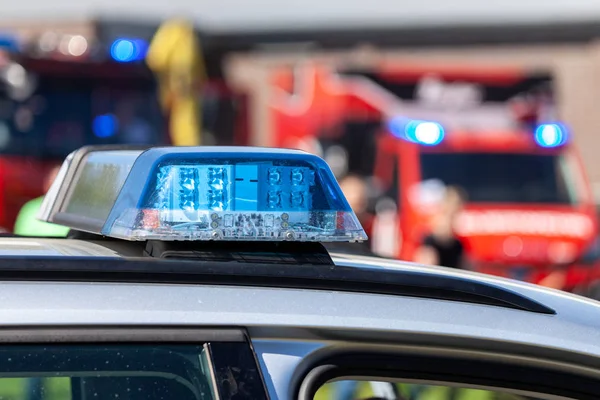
(429, 133)
(201, 193)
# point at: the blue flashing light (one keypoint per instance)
(9, 43)
(105, 126)
(550, 135)
(426, 133)
(213, 193)
(128, 50)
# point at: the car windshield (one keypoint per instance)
(66, 113)
(502, 177)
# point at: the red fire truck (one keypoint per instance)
(492, 132)
(58, 93)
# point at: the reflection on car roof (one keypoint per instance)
(10, 247)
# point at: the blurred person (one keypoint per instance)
(442, 246)
(556, 279)
(356, 191)
(385, 236)
(27, 223)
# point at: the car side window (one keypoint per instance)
(412, 376)
(104, 372)
(362, 390)
(129, 372)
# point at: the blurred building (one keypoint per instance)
(569, 50)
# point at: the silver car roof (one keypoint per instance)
(278, 312)
(52, 247)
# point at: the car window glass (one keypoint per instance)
(362, 390)
(99, 372)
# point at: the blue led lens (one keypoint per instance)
(297, 176)
(232, 195)
(128, 50)
(297, 199)
(274, 176)
(105, 126)
(274, 199)
(550, 135)
(188, 192)
(426, 133)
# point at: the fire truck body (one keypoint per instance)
(528, 209)
(529, 205)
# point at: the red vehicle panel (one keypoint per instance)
(530, 207)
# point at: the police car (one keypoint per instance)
(200, 273)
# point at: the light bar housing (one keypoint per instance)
(201, 193)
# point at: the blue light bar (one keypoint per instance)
(425, 133)
(550, 135)
(128, 50)
(208, 193)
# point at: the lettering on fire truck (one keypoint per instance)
(542, 223)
